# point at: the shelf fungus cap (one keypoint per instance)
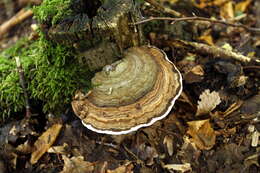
(131, 93)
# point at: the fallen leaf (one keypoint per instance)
(126, 168)
(13, 131)
(196, 74)
(242, 6)
(226, 132)
(219, 2)
(255, 139)
(252, 160)
(189, 151)
(208, 102)
(147, 153)
(207, 38)
(227, 11)
(219, 116)
(59, 149)
(76, 165)
(13, 161)
(44, 142)
(168, 141)
(169, 1)
(25, 148)
(179, 167)
(203, 135)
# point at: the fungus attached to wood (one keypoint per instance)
(131, 93)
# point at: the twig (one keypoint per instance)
(250, 29)
(23, 84)
(16, 19)
(163, 9)
(213, 50)
(252, 67)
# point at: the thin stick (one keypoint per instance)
(16, 19)
(250, 29)
(23, 84)
(217, 52)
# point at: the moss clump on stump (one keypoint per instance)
(52, 75)
(51, 11)
(51, 72)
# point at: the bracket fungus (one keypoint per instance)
(131, 93)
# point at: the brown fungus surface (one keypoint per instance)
(131, 93)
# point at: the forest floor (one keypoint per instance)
(213, 127)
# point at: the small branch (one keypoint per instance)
(250, 29)
(15, 20)
(23, 84)
(215, 51)
(162, 8)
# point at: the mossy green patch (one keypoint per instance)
(51, 72)
(51, 11)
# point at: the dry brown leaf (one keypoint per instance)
(126, 168)
(196, 74)
(13, 161)
(44, 142)
(242, 6)
(203, 135)
(25, 148)
(232, 108)
(169, 1)
(226, 132)
(255, 139)
(147, 153)
(76, 165)
(252, 160)
(198, 70)
(208, 102)
(257, 41)
(208, 3)
(227, 11)
(179, 167)
(207, 38)
(219, 2)
(168, 141)
(59, 149)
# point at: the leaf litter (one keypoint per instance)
(221, 135)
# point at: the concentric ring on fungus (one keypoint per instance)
(131, 93)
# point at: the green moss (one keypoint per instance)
(11, 97)
(57, 75)
(51, 11)
(52, 75)
(51, 71)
